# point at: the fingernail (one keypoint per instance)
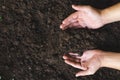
(65, 61)
(63, 22)
(64, 57)
(76, 75)
(61, 27)
(74, 5)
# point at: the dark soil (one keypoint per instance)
(32, 45)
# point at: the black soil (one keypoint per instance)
(32, 45)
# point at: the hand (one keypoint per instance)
(85, 16)
(89, 62)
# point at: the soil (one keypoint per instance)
(32, 45)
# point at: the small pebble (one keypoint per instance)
(3, 7)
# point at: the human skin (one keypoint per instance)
(87, 16)
(111, 14)
(92, 60)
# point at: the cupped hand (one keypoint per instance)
(89, 62)
(85, 16)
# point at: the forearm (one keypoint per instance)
(111, 60)
(111, 14)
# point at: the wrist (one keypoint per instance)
(111, 14)
(102, 59)
(101, 55)
(108, 59)
(104, 16)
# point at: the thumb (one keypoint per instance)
(83, 73)
(77, 7)
(81, 7)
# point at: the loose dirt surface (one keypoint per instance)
(32, 45)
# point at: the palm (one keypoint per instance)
(84, 17)
(91, 18)
(91, 60)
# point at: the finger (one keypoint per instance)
(73, 16)
(79, 7)
(74, 64)
(70, 22)
(65, 57)
(63, 26)
(70, 19)
(84, 73)
(73, 54)
(75, 25)
(71, 58)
